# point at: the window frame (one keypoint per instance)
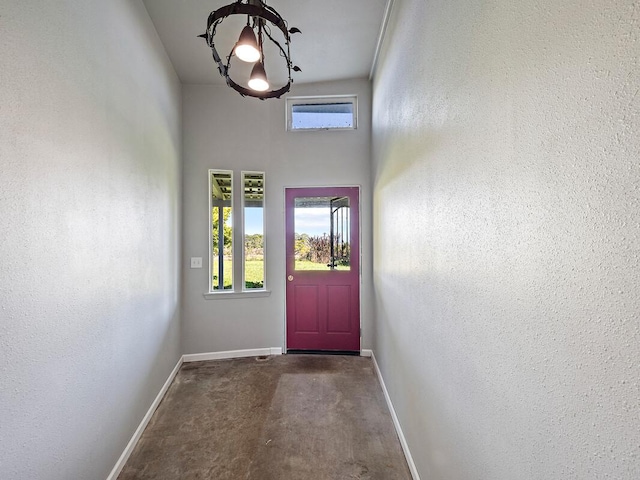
(238, 254)
(212, 290)
(320, 100)
(264, 233)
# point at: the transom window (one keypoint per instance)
(322, 113)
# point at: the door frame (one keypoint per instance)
(284, 261)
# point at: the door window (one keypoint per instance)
(322, 233)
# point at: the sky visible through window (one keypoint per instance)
(326, 120)
(312, 221)
(253, 220)
(329, 115)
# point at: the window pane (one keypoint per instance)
(322, 115)
(253, 184)
(220, 189)
(322, 233)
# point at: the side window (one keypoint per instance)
(245, 224)
(322, 113)
(221, 223)
(254, 246)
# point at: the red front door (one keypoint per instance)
(323, 266)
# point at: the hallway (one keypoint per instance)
(495, 146)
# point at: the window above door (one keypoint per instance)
(322, 113)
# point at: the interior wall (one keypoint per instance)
(506, 236)
(90, 150)
(224, 130)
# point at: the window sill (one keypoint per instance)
(230, 295)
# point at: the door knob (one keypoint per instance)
(290, 278)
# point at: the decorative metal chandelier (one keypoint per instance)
(249, 48)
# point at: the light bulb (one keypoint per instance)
(258, 84)
(258, 80)
(247, 47)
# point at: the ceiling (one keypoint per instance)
(338, 41)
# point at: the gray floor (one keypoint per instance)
(286, 417)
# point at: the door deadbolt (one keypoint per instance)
(290, 278)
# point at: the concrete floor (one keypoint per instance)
(286, 417)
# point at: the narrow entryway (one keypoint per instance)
(271, 418)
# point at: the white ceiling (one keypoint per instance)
(338, 40)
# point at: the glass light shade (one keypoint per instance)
(247, 47)
(258, 80)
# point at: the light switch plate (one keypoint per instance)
(196, 262)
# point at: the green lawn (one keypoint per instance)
(254, 271)
(254, 274)
(307, 265)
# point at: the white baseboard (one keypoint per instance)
(184, 359)
(396, 422)
(365, 352)
(143, 424)
(255, 352)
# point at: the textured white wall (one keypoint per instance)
(506, 236)
(90, 144)
(224, 130)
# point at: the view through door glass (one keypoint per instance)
(322, 233)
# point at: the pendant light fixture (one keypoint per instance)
(258, 79)
(249, 48)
